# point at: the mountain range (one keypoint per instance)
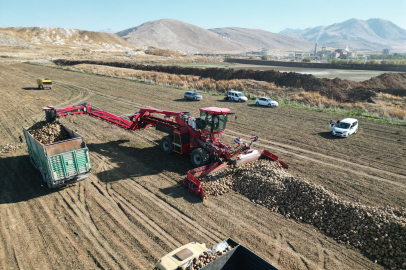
(181, 36)
(372, 34)
(62, 38)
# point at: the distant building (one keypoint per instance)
(335, 55)
(385, 51)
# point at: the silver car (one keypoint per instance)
(192, 96)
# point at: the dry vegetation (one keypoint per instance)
(163, 52)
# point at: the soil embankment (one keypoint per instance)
(340, 90)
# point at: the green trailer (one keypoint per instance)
(60, 163)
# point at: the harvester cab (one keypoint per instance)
(212, 120)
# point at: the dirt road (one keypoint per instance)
(133, 209)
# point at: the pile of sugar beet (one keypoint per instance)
(379, 232)
(47, 133)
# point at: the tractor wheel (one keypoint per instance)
(166, 144)
(199, 157)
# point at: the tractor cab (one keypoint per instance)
(212, 120)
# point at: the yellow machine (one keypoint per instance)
(44, 83)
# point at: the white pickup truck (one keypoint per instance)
(344, 128)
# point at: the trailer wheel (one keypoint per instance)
(199, 157)
(166, 144)
(49, 183)
(43, 175)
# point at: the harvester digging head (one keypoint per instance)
(241, 154)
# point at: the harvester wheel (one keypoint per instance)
(166, 144)
(199, 157)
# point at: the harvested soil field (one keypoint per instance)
(340, 90)
(133, 209)
(47, 133)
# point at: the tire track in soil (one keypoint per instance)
(135, 215)
(123, 223)
(28, 231)
(95, 251)
(26, 225)
(368, 151)
(163, 206)
(80, 97)
(99, 247)
(120, 209)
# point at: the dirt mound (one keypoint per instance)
(380, 232)
(340, 90)
(388, 81)
(47, 133)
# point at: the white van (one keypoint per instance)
(236, 96)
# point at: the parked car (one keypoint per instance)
(344, 128)
(192, 96)
(264, 101)
(236, 96)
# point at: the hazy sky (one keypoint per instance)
(268, 15)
